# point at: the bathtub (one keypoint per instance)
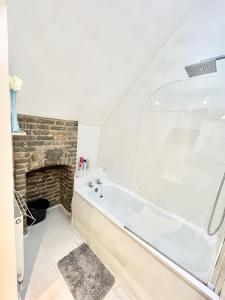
(114, 202)
(111, 219)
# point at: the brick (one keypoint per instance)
(60, 137)
(19, 143)
(45, 137)
(47, 121)
(19, 171)
(41, 132)
(43, 126)
(20, 177)
(71, 128)
(30, 126)
(31, 138)
(57, 128)
(60, 122)
(18, 161)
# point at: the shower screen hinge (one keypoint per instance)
(211, 286)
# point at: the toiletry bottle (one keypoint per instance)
(87, 164)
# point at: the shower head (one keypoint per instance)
(203, 67)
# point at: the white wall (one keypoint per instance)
(78, 58)
(88, 143)
(8, 280)
(198, 37)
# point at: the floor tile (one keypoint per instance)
(46, 243)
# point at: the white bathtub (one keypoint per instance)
(114, 202)
(166, 232)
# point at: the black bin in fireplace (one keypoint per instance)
(38, 209)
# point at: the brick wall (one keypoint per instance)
(50, 144)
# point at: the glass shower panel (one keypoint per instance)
(179, 166)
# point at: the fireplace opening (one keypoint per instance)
(54, 183)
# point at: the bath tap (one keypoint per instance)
(98, 181)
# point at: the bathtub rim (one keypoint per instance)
(172, 266)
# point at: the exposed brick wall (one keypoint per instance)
(49, 142)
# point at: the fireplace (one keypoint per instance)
(45, 159)
(54, 183)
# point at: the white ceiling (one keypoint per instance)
(77, 58)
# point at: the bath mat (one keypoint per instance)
(85, 275)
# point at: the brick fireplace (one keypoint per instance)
(45, 159)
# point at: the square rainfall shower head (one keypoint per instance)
(201, 68)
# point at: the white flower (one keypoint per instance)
(15, 83)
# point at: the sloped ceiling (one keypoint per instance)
(78, 58)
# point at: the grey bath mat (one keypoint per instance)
(85, 274)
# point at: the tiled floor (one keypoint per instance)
(45, 245)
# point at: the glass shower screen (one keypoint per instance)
(179, 167)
